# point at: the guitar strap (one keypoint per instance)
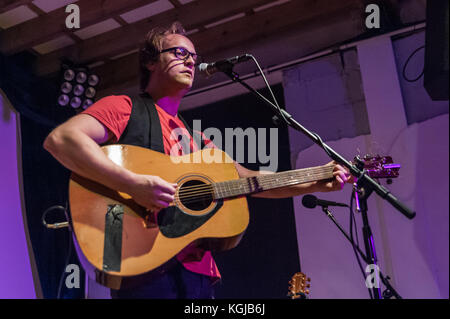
(112, 247)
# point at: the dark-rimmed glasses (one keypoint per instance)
(183, 54)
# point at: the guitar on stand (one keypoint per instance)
(299, 286)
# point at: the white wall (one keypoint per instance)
(16, 280)
(414, 253)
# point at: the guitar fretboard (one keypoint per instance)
(250, 185)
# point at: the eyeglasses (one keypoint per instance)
(183, 54)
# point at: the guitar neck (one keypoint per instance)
(261, 183)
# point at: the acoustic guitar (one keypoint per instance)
(116, 239)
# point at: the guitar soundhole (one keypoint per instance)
(195, 195)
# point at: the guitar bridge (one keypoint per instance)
(150, 220)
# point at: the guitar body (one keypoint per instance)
(117, 239)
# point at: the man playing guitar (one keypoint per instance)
(167, 63)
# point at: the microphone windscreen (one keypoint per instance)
(309, 201)
(202, 67)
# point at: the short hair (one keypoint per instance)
(151, 46)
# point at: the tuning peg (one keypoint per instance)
(307, 292)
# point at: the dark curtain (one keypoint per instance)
(45, 181)
(267, 256)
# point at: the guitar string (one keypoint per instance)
(208, 191)
(237, 185)
(197, 193)
(196, 198)
(290, 173)
(263, 178)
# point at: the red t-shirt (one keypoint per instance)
(114, 113)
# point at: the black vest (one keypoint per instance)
(144, 127)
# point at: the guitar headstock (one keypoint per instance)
(378, 166)
(298, 286)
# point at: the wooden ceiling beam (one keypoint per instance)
(52, 25)
(109, 44)
(175, 3)
(260, 26)
(6, 5)
(36, 9)
(265, 23)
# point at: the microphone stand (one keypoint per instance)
(366, 185)
(364, 180)
(390, 291)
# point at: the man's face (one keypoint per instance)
(171, 70)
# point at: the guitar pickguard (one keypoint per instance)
(173, 222)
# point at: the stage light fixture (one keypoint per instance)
(66, 87)
(77, 86)
(78, 90)
(63, 100)
(93, 80)
(87, 103)
(90, 92)
(81, 77)
(75, 102)
(69, 75)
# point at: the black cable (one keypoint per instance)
(322, 144)
(354, 223)
(54, 225)
(406, 64)
(270, 90)
(352, 220)
(279, 109)
(69, 251)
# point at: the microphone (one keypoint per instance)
(222, 65)
(311, 201)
